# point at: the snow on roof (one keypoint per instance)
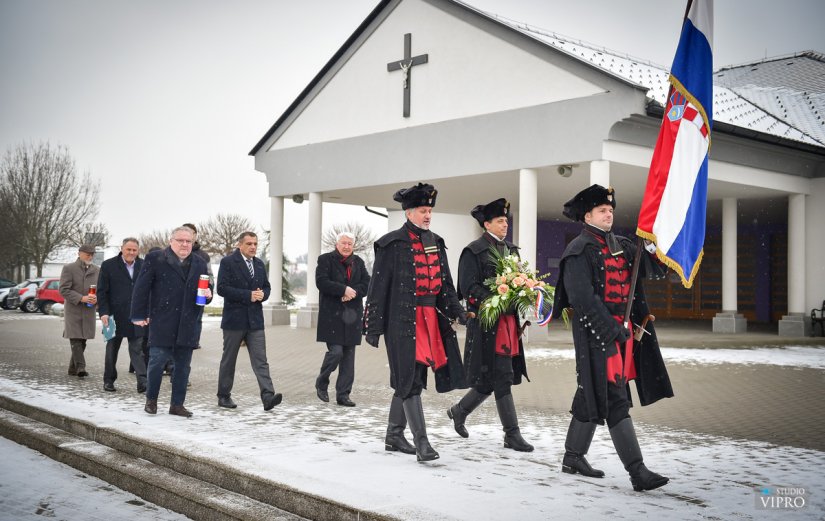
(782, 96)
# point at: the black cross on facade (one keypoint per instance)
(406, 66)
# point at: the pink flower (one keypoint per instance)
(530, 283)
(518, 281)
(502, 279)
(503, 289)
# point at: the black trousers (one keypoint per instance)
(256, 345)
(135, 356)
(618, 406)
(342, 358)
(503, 383)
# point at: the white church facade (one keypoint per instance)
(439, 92)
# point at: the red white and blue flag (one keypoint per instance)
(675, 199)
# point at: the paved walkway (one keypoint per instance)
(779, 405)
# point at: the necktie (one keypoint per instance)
(251, 270)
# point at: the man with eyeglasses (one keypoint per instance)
(165, 296)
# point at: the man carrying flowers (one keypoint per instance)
(412, 302)
(493, 355)
(595, 281)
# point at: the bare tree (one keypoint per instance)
(219, 235)
(96, 234)
(364, 237)
(153, 239)
(45, 199)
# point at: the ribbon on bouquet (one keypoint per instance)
(543, 319)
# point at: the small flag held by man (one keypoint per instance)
(675, 199)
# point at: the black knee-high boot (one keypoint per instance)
(459, 412)
(397, 422)
(627, 447)
(509, 421)
(414, 411)
(579, 436)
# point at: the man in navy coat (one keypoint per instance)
(165, 295)
(114, 300)
(243, 284)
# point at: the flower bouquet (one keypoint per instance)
(515, 286)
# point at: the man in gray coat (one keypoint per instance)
(79, 319)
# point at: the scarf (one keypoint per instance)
(610, 239)
(427, 237)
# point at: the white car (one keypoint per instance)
(28, 294)
(8, 294)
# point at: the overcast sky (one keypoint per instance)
(162, 100)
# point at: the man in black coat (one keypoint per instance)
(412, 302)
(166, 294)
(494, 359)
(114, 301)
(595, 280)
(342, 280)
(244, 286)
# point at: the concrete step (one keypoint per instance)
(187, 483)
(155, 483)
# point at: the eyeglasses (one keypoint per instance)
(182, 241)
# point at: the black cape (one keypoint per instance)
(581, 287)
(390, 311)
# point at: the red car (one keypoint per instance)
(48, 294)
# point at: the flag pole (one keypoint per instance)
(634, 278)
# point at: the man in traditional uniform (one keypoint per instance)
(412, 301)
(595, 280)
(494, 359)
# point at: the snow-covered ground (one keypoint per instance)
(338, 453)
(40, 488)
(790, 356)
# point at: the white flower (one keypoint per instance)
(521, 293)
(508, 270)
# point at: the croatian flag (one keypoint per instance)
(675, 199)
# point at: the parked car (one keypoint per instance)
(48, 294)
(9, 297)
(28, 294)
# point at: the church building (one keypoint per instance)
(438, 91)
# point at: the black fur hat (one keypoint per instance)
(588, 199)
(415, 196)
(489, 211)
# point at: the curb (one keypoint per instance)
(192, 485)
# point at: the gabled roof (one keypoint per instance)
(782, 97)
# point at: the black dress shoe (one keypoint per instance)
(151, 406)
(179, 410)
(345, 401)
(82, 374)
(323, 395)
(272, 401)
(226, 401)
(108, 386)
(141, 389)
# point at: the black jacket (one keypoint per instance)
(391, 312)
(166, 295)
(236, 285)
(474, 266)
(581, 286)
(340, 322)
(114, 294)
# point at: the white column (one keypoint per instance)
(729, 237)
(527, 219)
(600, 173)
(275, 311)
(796, 322)
(308, 316)
(276, 248)
(527, 214)
(796, 254)
(728, 320)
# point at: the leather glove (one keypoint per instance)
(372, 340)
(623, 336)
(462, 318)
